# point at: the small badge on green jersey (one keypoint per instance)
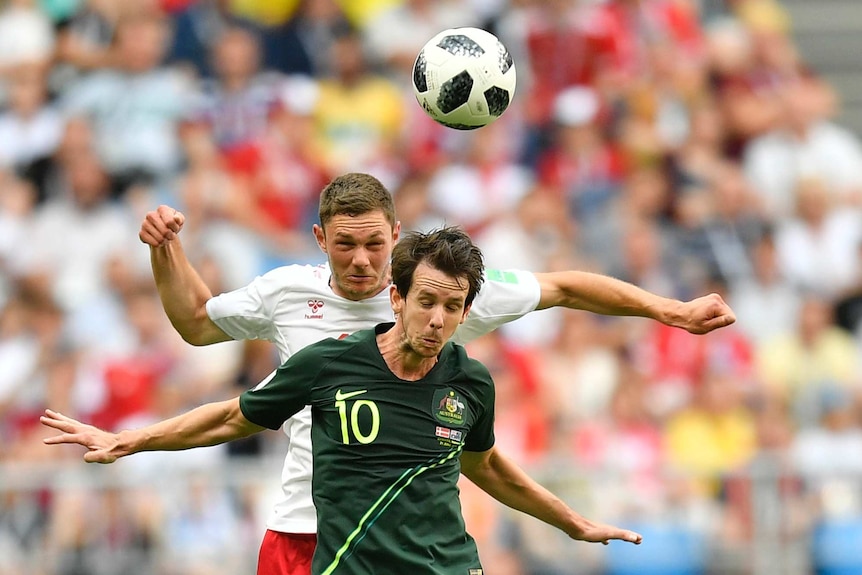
(448, 407)
(474, 572)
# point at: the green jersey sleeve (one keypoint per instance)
(481, 435)
(289, 388)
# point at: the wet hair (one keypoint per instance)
(449, 250)
(354, 194)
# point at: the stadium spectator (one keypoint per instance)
(304, 43)
(796, 365)
(31, 128)
(85, 40)
(61, 259)
(817, 246)
(714, 435)
(135, 108)
(719, 224)
(395, 34)
(482, 181)
(802, 146)
(359, 114)
(26, 37)
(554, 49)
(768, 304)
(580, 164)
(237, 101)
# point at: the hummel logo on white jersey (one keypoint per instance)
(315, 305)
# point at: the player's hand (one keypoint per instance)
(705, 314)
(161, 225)
(100, 444)
(600, 533)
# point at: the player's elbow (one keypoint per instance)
(200, 333)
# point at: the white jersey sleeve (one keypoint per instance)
(505, 296)
(248, 312)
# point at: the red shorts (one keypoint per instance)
(286, 553)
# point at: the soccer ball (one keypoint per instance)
(464, 78)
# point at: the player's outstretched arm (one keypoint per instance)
(206, 425)
(610, 296)
(183, 293)
(503, 480)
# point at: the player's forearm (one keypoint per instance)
(207, 425)
(503, 480)
(184, 294)
(606, 295)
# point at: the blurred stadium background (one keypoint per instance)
(684, 145)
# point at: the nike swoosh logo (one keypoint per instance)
(342, 396)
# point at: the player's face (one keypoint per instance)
(359, 249)
(432, 311)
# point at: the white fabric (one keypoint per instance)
(25, 140)
(25, 36)
(293, 307)
(821, 259)
(775, 163)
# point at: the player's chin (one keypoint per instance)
(427, 347)
(361, 287)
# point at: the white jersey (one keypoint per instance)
(293, 307)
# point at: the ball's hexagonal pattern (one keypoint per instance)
(455, 92)
(420, 81)
(461, 45)
(504, 59)
(498, 100)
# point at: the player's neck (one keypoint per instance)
(400, 359)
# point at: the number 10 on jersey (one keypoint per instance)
(355, 409)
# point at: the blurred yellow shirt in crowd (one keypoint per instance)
(275, 12)
(789, 367)
(358, 124)
(708, 444)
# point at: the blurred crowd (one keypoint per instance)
(683, 145)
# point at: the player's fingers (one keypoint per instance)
(57, 424)
(61, 439)
(179, 220)
(57, 415)
(147, 237)
(172, 218)
(719, 322)
(98, 457)
(158, 222)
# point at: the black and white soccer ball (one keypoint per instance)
(464, 78)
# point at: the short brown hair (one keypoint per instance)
(449, 250)
(354, 194)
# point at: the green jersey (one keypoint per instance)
(386, 453)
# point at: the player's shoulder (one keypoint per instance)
(469, 367)
(332, 347)
(291, 277)
(507, 285)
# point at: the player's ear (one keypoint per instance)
(395, 300)
(464, 315)
(320, 236)
(396, 231)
